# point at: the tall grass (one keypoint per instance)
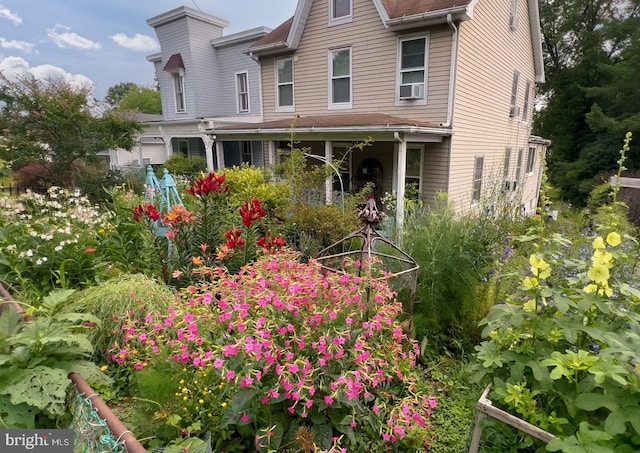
(114, 301)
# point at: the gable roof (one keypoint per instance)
(393, 13)
(397, 14)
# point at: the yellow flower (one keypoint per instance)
(530, 306)
(104, 368)
(224, 405)
(530, 282)
(539, 267)
(598, 273)
(598, 243)
(590, 289)
(614, 239)
(604, 258)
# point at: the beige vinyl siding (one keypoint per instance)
(374, 67)
(489, 54)
(435, 171)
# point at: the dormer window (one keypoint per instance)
(175, 67)
(340, 11)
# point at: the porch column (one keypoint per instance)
(208, 150)
(219, 154)
(328, 184)
(394, 182)
(402, 172)
(272, 152)
(166, 138)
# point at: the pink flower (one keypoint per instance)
(231, 375)
(328, 400)
(218, 363)
(245, 418)
(246, 382)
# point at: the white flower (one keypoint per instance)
(57, 248)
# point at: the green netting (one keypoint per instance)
(90, 432)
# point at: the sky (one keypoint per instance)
(101, 43)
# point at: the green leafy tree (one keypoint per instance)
(591, 95)
(54, 123)
(117, 93)
(142, 99)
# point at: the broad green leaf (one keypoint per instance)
(616, 422)
(594, 401)
(10, 323)
(323, 436)
(44, 388)
(241, 399)
(16, 416)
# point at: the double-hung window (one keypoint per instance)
(284, 81)
(513, 17)
(527, 101)
(242, 90)
(340, 11)
(516, 182)
(178, 90)
(505, 170)
(477, 179)
(340, 83)
(531, 160)
(413, 176)
(514, 110)
(412, 68)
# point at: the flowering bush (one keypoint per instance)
(566, 357)
(286, 357)
(50, 241)
(208, 236)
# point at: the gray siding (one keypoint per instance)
(232, 59)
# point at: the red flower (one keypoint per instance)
(269, 243)
(153, 213)
(235, 239)
(251, 212)
(138, 213)
(90, 250)
(209, 184)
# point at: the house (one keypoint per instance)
(444, 87)
(206, 80)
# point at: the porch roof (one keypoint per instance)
(326, 126)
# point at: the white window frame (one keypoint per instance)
(420, 149)
(399, 69)
(177, 81)
(240, 94)
(285, 108)
(531, 161)
(341, 19)
(513, 16)
(476, 182)
(515, 87)
(340, 105)
(526, 105)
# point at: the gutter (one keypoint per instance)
(313, 129)
(431, 15)
(453, 70)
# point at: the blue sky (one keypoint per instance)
(105, 42)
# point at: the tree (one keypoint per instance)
(128, 96)
(54, 123)
(591, 97)
(143, 100)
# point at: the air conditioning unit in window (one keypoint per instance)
(410, 91)
(514, 112)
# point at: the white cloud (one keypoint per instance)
(5, 13)
(64, 39)
(18, 45)
(141, 43)
(14, 67)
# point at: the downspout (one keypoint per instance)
(452, 70)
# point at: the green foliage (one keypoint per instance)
(36, 358)
(591, 62)
(181, 165)
(128, 296)
(563, 351)
(248, 182)
(31, 109)
(142, 99)
(455, 254)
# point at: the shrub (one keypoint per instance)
(181, 165)
(248, 182)
(284, 355)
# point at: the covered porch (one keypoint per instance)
(415, 153)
